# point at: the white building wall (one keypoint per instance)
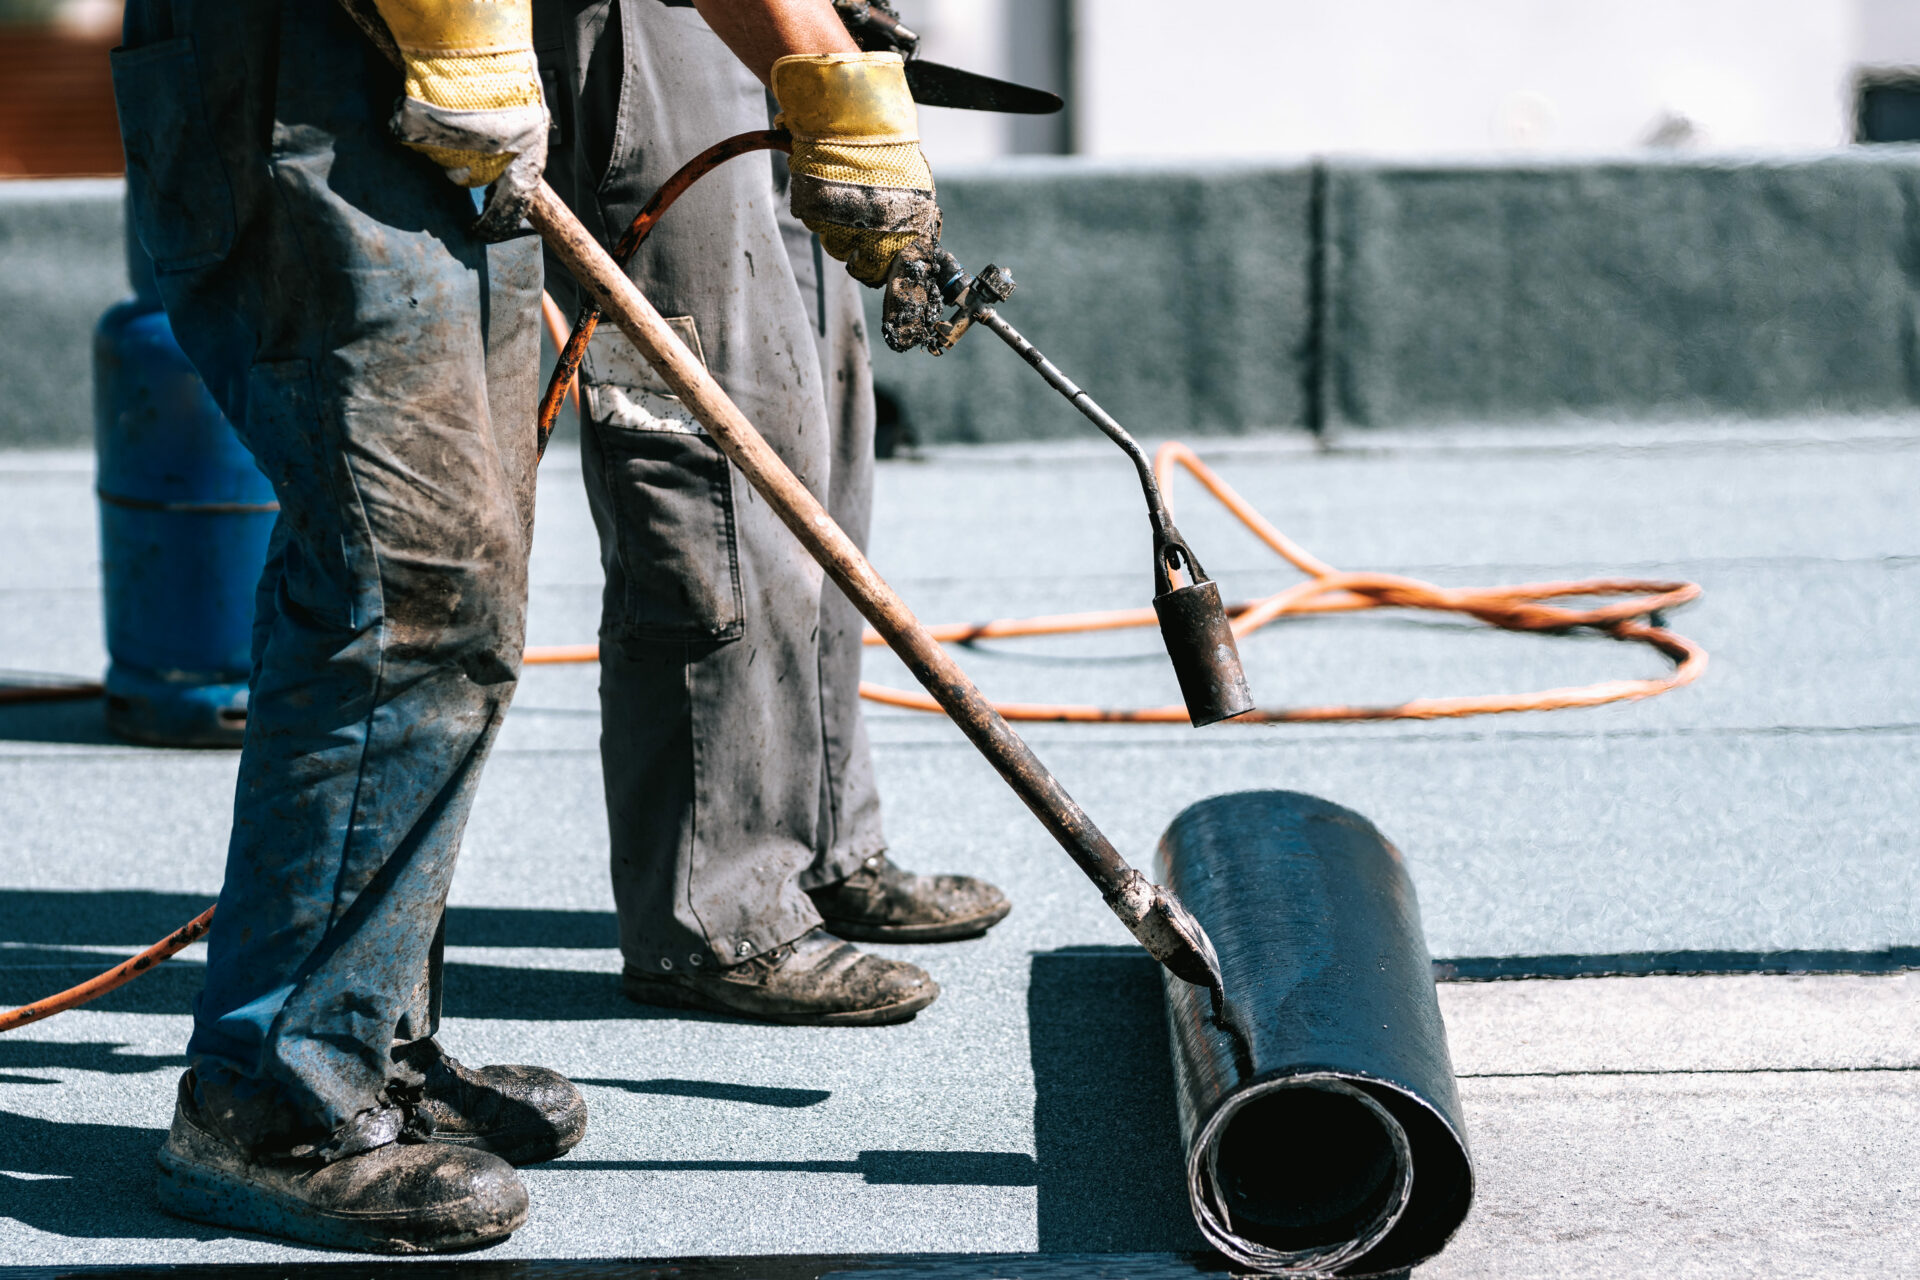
(970, 34)
(1889, 33)
(1020, 40)
(1161, 78)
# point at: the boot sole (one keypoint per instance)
(527, 1144)
(946, 931)
(202, 1194)
(665, 996)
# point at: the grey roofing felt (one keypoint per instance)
(1686, 1126)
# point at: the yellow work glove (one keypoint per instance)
(859, 180)
(473, 103)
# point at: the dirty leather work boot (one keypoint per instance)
(524, 1115)
(880, 902)
(815, 980)
(368, 1186)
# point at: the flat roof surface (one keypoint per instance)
(1686, 1126)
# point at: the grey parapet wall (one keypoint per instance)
(1337, 295)
(1179, 297)
(1333, 295)
(62, 263)
(1636, 290)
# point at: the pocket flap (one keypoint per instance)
(613, 360)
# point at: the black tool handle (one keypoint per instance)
(1193, 622)
(1170, 549)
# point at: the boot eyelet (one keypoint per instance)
(666, 963)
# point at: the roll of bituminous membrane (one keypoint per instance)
(1321, 1122)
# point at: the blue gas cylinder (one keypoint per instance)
(184, 520)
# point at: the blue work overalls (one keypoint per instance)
(381, 364)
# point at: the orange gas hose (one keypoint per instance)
(1523, 607)
(557, 331)
(573, 345)
(118, 976)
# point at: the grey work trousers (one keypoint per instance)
(380, 362)
(735, 756)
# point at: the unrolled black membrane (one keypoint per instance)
(1321, 1123)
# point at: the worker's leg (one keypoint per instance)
(711, 733)
(524, 1114)
(379, 362)
(709, 682)
(715, 714)
(716, 742)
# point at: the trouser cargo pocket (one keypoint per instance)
(676, 574)
(673, 570)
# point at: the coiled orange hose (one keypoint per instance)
(1524, 607)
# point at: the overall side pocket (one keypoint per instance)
(670, 493)
(672, 499)
(176, 183)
